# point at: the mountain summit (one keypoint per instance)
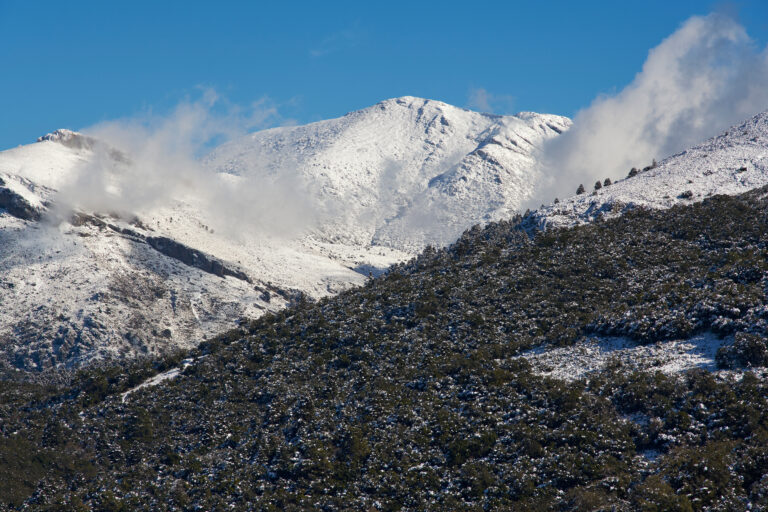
(406, 172)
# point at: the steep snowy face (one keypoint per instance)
(734, 162)
(404, 173)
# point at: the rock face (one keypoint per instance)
(69, 139)
(16, 205)
(194, 258)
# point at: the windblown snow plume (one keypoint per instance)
(147, 162)
(702, 79)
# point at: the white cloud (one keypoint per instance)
(700, 80)
(151, 160)
(334, 42)
(483, 101)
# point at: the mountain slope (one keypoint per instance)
(410, 393)
(731, 163)
(384, 182)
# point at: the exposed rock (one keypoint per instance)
(166, 246)
(193, 257)
(69, 138)
(17, 206)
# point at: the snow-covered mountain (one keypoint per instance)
(406, 172)
(732, 163)
(392, 178)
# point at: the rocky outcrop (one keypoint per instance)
(69, 138)
(16, 205)
(168, 247)
(193, 257)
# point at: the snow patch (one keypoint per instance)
(594, 354)
(160, 377)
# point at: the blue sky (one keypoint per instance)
(74, 64)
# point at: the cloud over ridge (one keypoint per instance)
(703, 78)
(150, 161)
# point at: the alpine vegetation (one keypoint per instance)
(415, 391)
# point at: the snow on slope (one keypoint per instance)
(732, 163)
(74, 292)
(592, 355)
(404, 173)
(399, 175)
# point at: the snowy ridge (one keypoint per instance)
(731, 163)
(406, 172)
(48, 163)
(79, 291)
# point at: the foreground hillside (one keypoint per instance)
(415, 391)
(374, 187)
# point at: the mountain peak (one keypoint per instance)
(413, 103)
(58, 135)
(408, 171)
(381, 183)
(408, 101)
(68, 138)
